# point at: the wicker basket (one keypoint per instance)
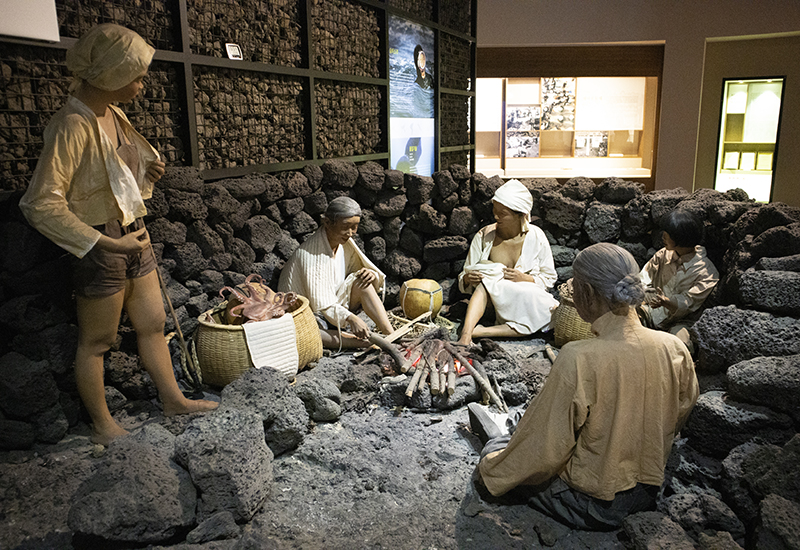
(567, 324)
(222, 350)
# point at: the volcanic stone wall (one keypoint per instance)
(242, 117)
(208, 235)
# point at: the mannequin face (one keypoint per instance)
(509, 223)
(340, 232)
(669, 244)
(127, 93)
(421, 62)
(590, 305)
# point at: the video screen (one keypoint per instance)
(411, 122)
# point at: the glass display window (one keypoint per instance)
(749, 124)
(566, 126)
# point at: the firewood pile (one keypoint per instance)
(432, 359)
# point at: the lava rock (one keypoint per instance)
(185, 206)
(340, 173)
(26, 387)
(778, 526)
(656, 530)
(261, 233)
(219, 526)
(726, 335)
(703, 512)
(401, 265)
(371, 176)
(618, 191)
(206, 238)
(229, 462)
(267, 394)
(181, 178)
(718, 424)
(322, 399)
(418, 188)
(445, 249)
(16, 435)
(245, 188)
(602, 222)
(769, 381)
(136, 495)
(563, 211)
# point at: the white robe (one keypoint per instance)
(526, 307)
(311, 272)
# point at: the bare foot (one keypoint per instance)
(106, 435)
(465, 340)
(188, 406)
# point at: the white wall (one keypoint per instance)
(681, 25)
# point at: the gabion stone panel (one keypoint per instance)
(454, 157)
(154, 21)
(157, 112)
(34, 83)
(348, 119)
(266, 31)
(246, 118)
(456, 64)
(456, 15)
(454, 120)
(419, 8)
(345, 38)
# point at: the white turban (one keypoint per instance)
(514, 195)
(109, 57)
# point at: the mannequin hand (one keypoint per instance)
(132, 243)
(473, 278)
(516, 276)
(358, 327)
(365, 277)
(155, 171)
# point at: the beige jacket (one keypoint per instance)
(687, 280)
(311, 272)
(606, 416)
(80, 181)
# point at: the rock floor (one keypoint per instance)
(381, 478)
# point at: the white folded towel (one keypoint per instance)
(273, 343)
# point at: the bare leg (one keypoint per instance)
(98, 320)
(496, 331)
(368, 299)
(475, 310)
(146, 310)
(330, 340)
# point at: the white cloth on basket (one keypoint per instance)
(273, 343)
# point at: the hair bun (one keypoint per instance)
(629, 290)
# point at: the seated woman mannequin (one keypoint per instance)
(679, 277)
(592, 446)
(337, 278)
(509, 264)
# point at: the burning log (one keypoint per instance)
(390, 349)
(481, 380)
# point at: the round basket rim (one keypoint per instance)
(296, 310)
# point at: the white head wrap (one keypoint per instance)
(109, 57)
(514, 195)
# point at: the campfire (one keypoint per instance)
(432, 359)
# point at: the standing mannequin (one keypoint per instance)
(87, 195)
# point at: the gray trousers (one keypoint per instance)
(576, 509)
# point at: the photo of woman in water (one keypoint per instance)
(424, 79)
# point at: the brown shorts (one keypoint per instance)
(101, 273)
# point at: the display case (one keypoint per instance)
(748, 132)
(566, 126)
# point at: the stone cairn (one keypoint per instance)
(734, 471)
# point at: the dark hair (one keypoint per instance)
(685, 228)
